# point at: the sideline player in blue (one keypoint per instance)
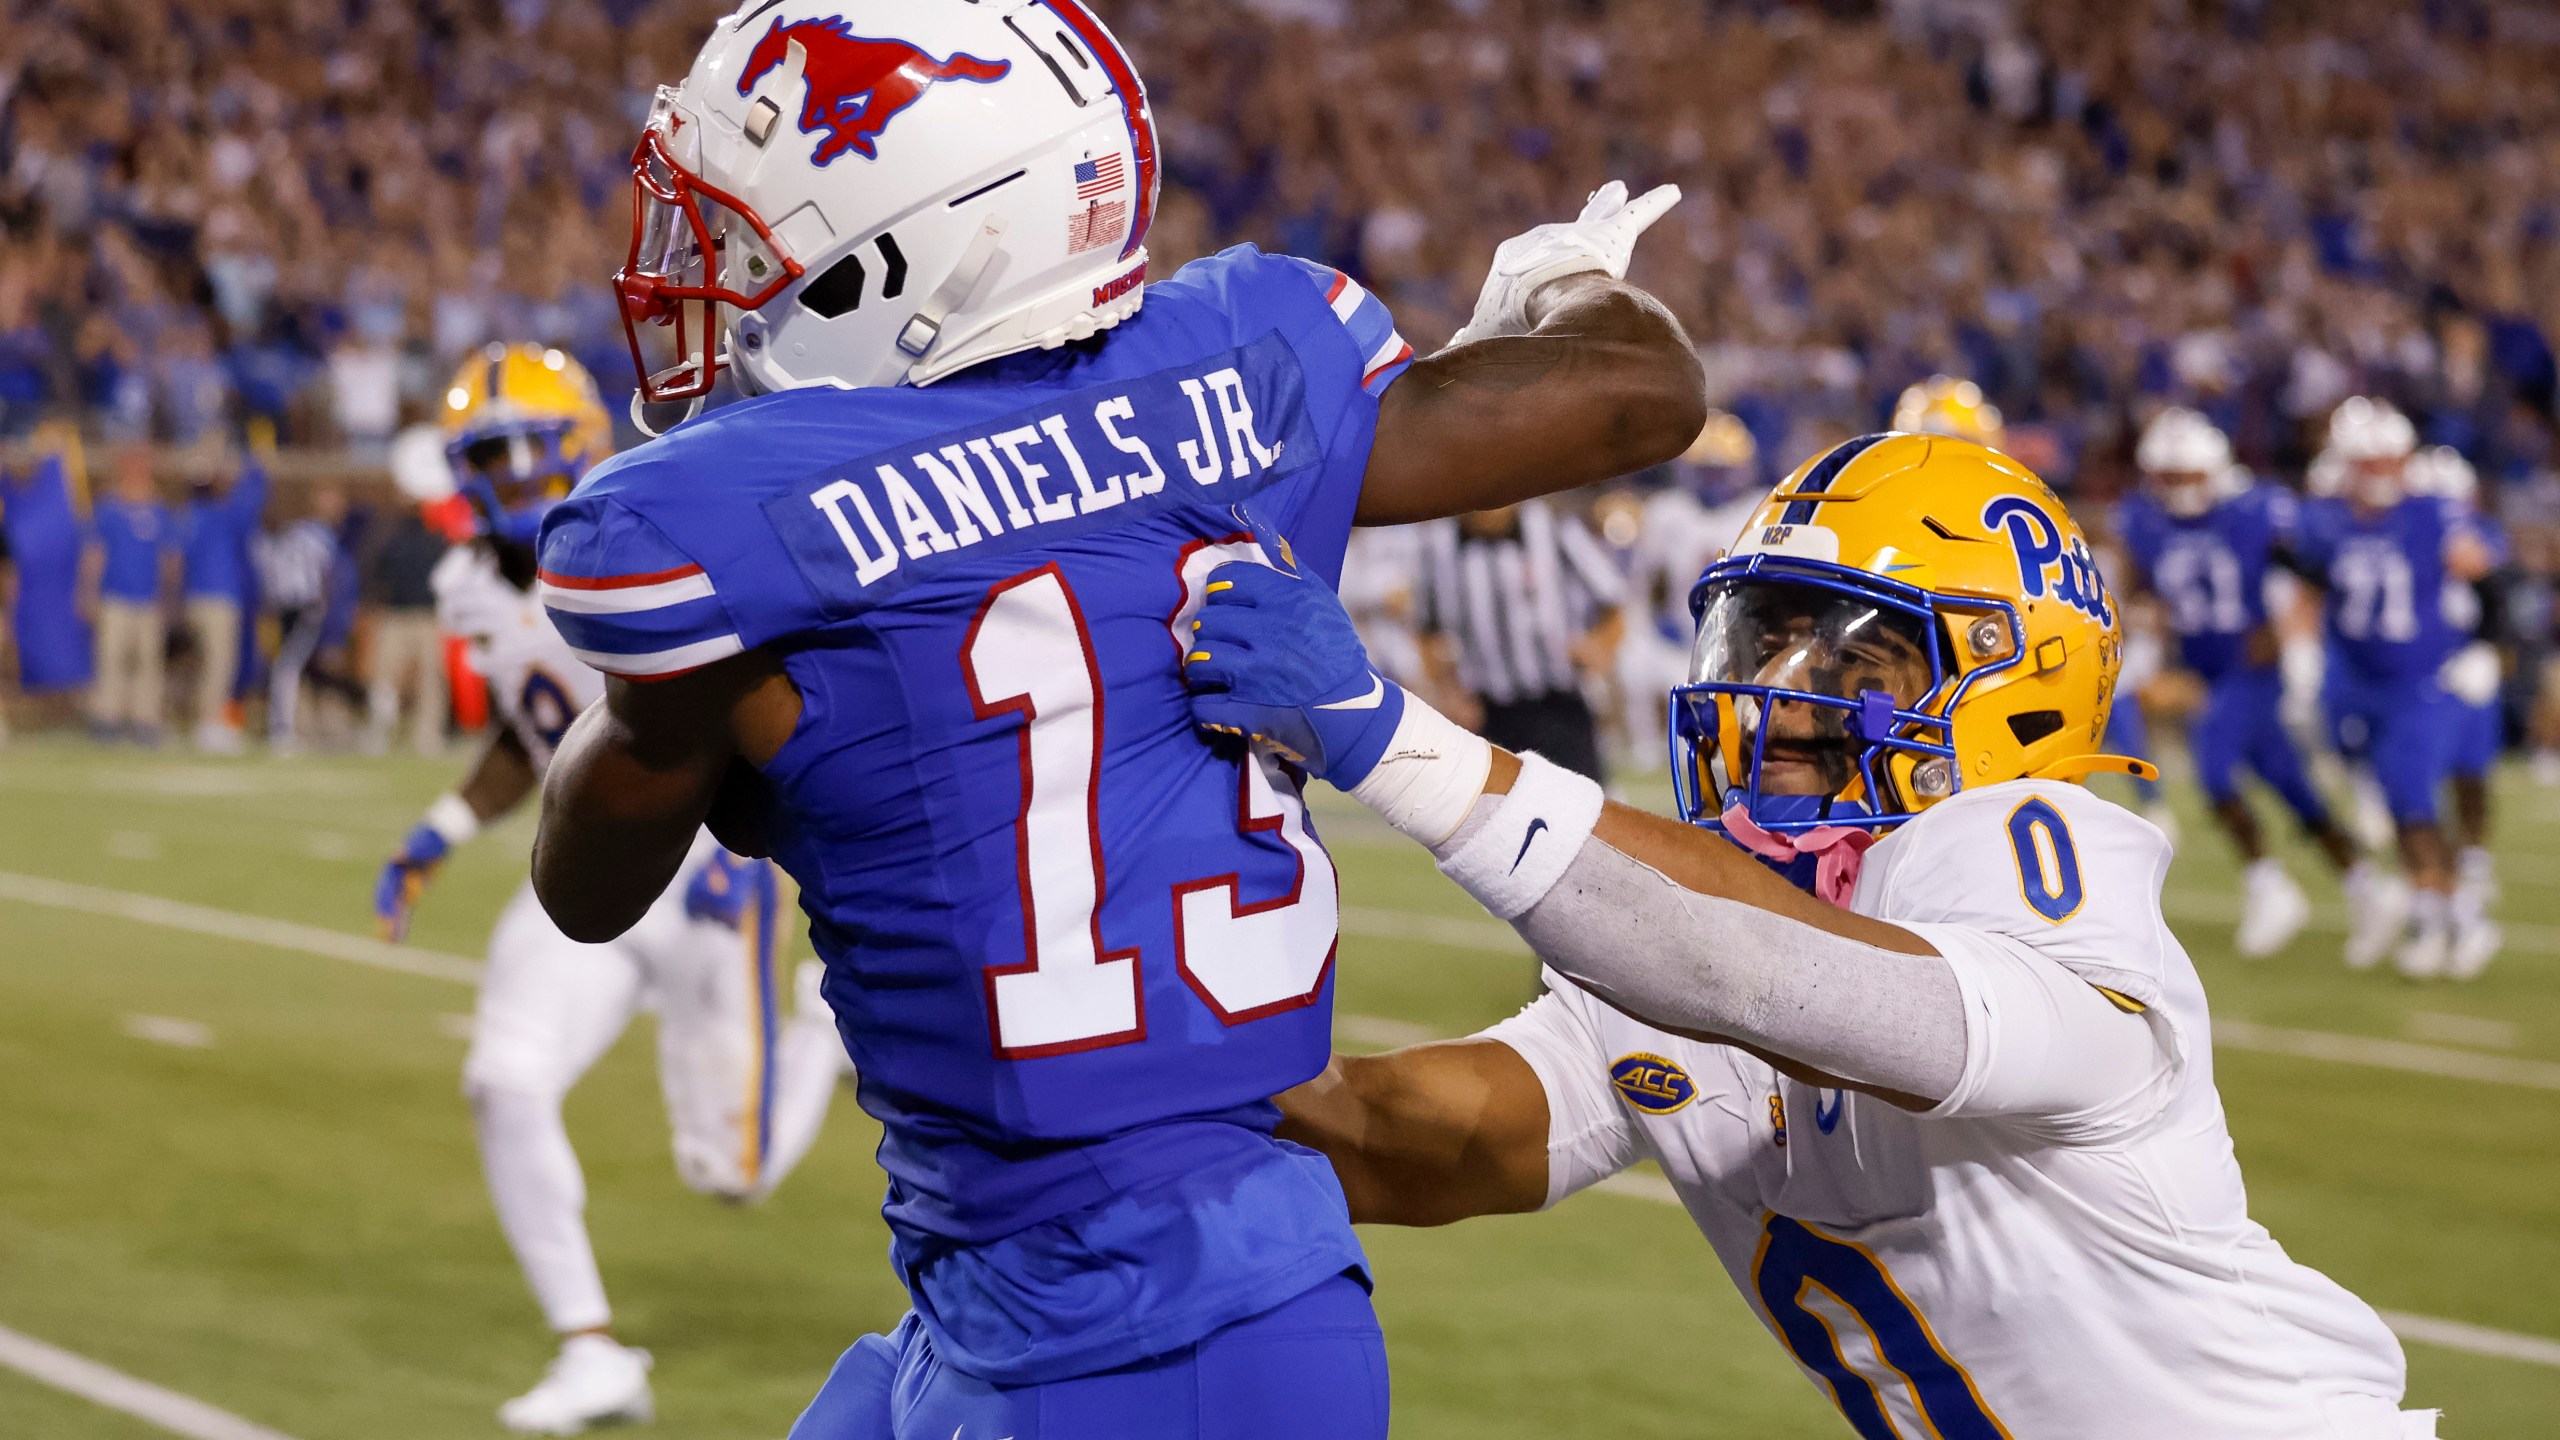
(912, 620)
(2200, 536)
(2384, 556)
(2473, 678)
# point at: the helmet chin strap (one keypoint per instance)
(640, 422)
(921, 333)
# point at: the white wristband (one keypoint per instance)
(452, 817)
(1430, 776)
(1521, 848)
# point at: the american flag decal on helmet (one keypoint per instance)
(1097, 178)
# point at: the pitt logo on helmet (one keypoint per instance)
(856, 85)
(2048, 561)
(1652, 1084)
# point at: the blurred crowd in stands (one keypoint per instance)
(290, 217)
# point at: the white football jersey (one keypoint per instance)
(1964, 1276)
(536, 685)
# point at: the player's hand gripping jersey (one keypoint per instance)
(1985, 1270)
(535, 683)
(1073, 950)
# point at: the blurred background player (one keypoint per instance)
(2474, 679)
(746, 1089)
(133, 567)
(2200, 536)
(2383, 557)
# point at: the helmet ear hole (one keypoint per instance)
(2031, 726)
(836, 291)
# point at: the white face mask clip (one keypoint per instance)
(640, 421)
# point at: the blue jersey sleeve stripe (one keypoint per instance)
(663, 664)
(643, 631)
(1384, 355)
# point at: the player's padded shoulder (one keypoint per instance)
(1335, 321)
(627, 599)
(2070, 874)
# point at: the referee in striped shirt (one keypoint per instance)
(1518, 604)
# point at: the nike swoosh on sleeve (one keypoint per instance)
(1535, 825)
(1377, 694)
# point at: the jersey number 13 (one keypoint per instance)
(1030, 653)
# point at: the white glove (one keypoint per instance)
(1603, 237)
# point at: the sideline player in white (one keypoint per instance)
(1954, 1132)
(746, 1088)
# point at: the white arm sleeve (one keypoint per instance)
(1590, 1136)
(2045, 1047)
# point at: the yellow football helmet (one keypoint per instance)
(1905, 616)
(522, 425)
(1944, 405)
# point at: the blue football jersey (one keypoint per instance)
(2384, 572)
(2209, 570)
(1073, 947)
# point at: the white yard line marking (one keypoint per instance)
(164, 1030)
(230, 925)
(2477, 1339)
(1486, 934)
(2386, 1054)
(99, 1384)
(2472, 1030)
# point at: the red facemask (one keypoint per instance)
(685, 235)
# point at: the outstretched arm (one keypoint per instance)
(1667, 922)
(1565, 376)
(638, 774)
(1427, 1135)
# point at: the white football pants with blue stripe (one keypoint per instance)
(747, 1079)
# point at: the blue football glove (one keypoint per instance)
(728, 887)
(1274, 656)
(395, 895)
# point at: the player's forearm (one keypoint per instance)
(1855, 1014)
(1607, 383)
(1675, 925)
(501, 778)
(615, 827)
(1427, 1135)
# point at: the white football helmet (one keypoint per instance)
(2440, 470)
(2362, 428)
(884, 192)
(2188, 461)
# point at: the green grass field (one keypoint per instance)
(288, 1221)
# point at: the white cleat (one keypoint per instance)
(2273, 910)
(2427, 952)
(593, 1381)
(2475, 944)
(2377, 911)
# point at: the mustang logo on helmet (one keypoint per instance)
(857, 85)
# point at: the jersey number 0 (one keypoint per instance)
(1030, 653)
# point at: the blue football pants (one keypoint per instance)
(2242, 724)
(1312, 1369)
(2406, 735)
(2478, 736)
